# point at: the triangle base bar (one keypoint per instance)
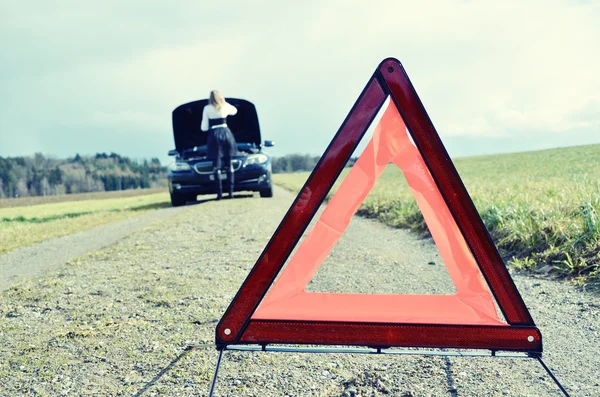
(367, 350)
(513, 338)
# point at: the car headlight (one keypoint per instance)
(180, 167)
(257, 159)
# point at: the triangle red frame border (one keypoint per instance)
(520, 334)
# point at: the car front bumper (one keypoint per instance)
(249, 178)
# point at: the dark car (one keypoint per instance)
(192, 172)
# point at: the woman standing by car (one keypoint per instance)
(221, 145)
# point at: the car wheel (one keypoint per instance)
(267, 192)
(177, 200)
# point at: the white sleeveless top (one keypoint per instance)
(210, 112)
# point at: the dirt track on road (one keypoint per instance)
(109, 322)
(39, 258)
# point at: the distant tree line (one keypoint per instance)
(298, 163)
(43, 176)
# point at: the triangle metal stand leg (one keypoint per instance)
(562, 389)
(380, 351)
(214, 381)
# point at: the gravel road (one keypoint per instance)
(118, 321)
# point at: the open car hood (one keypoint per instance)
(187, 119)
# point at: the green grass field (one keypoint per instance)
(24, 225)
(542, 208)
(61, 198)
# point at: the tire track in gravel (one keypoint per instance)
(38, 258)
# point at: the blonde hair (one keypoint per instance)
(216, 99)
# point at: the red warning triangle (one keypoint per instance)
(468, 319)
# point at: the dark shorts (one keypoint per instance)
(221, 146)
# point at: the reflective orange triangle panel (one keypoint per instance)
(472, 303)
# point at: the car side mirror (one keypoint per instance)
(173, 152)
(269, 143)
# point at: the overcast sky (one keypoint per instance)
(102, 76)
